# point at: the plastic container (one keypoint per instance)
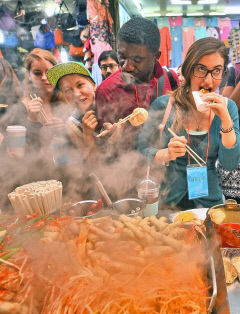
(148, 191)
(16, 138)
(59, 148)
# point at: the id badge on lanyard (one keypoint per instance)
(197, 178)
(197, 181)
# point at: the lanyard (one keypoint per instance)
(137, 97)
(208, 143)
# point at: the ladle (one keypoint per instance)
(102, 190)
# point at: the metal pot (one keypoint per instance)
(81, 209)
(228, 229)
(129, 206)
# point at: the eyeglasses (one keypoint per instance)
(201, 71)
(111, 66)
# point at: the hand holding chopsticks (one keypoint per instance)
(191, 152)
(115, 125)
(136, 118)
(42, 114)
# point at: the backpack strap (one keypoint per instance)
(161, 81)
(168, 109)
(172, 81)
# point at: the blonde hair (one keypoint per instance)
(10, 88)
(35, 54)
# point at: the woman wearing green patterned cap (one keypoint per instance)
(77, 88)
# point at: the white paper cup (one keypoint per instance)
(16, 138)
(200, 104)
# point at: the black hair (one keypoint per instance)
(108, 54)
(140, 31)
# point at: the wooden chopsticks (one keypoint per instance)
(42, 112)
(191, 152)
(127, 118)
(121, 121)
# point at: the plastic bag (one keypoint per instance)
(44, 37)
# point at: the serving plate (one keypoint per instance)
(199, 212)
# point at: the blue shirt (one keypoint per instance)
(229, 78)
(174, 185)
(177, 46)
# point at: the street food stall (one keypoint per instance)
(106, 263)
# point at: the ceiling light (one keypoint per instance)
(174, 14)
(182, 2)
(207, 1)
(138, 5)
(195, 14)
(1, 37)
(50, 8)
(216, 13)
(232, 9)
(151, 14)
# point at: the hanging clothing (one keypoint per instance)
(98, 12)
(175, 21)
(200, 32)
(100, 31)
(96, 74)
(101, 22)
(165, 46)
(224, 33)
(187, 22)
(234, 22)
(213, 32)
(163, 21)
(224, 22)
(212, 21)
(177, 47)
(97, 47)
(199, 21)
(234, 43)
(188, 39)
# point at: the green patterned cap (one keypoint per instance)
(59, 70)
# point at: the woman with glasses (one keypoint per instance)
(213, 134)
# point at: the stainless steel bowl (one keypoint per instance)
(81, 209)
(126, 206)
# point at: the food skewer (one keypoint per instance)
(141, 112)
(190, 151)
(121, 121)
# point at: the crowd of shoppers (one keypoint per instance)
(62, 107)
